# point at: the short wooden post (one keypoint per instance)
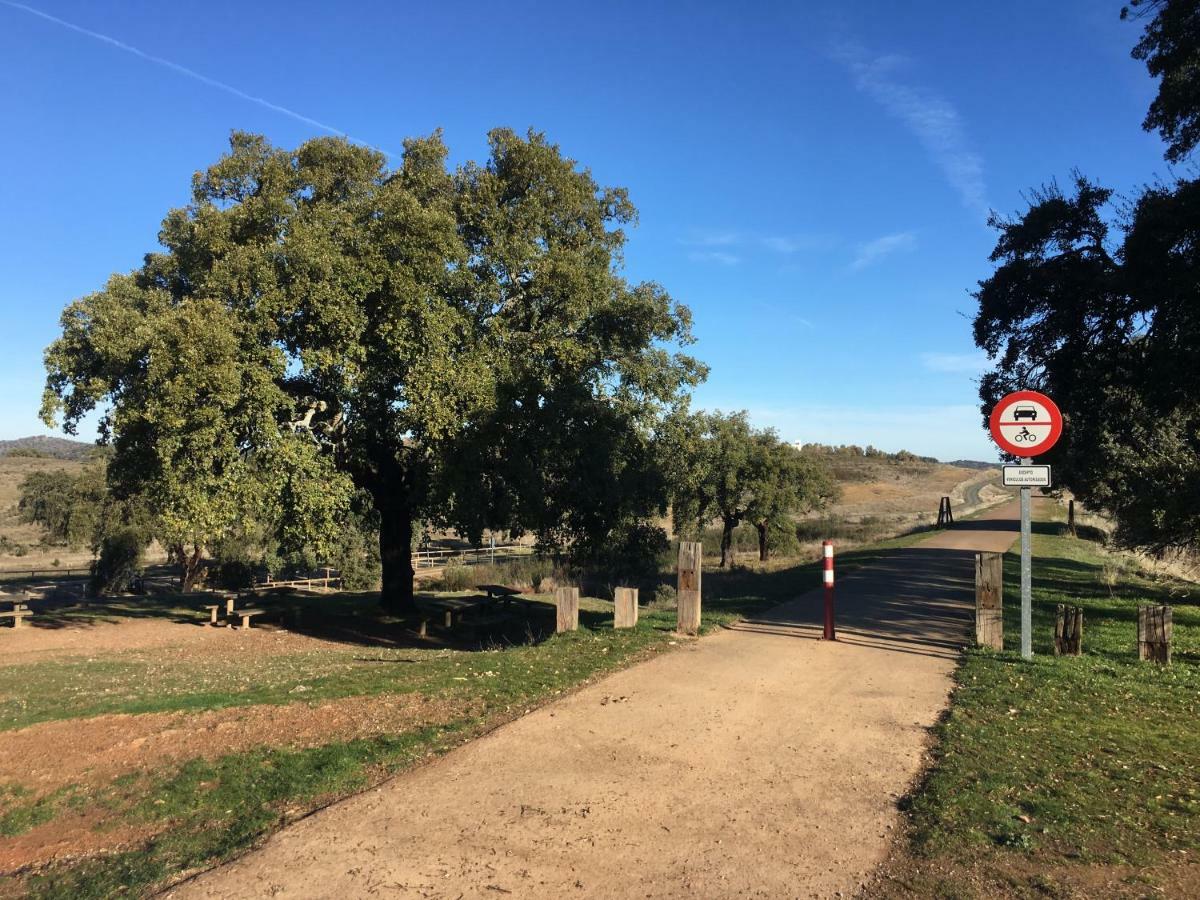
(989, 600)
(1071, 517)
(1068, 631)
(1154, 633)
(566, 599)
(688, 600)
(625, 611)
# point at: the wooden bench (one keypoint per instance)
(246, 615)
(17, 615)
(500, 592)
(20, 610)
(448, 609)
(212, 613)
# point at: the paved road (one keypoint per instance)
(758, 762)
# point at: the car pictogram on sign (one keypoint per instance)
(1024, 412)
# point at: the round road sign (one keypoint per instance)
(1026, 423)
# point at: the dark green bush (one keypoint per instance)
(119, 563)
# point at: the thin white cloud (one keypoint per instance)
(872, 252)
(717, 256)
(797, 243)
(955, 363)
(189, 73)
(712, 239)
(931, 118)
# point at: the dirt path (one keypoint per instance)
(758, 762)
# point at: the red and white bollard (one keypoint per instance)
(827, 575)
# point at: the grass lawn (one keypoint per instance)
(1066, 777)
(188, 815)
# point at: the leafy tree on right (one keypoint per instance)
(1097, 303)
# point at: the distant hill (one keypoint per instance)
(47, 447)
(973, 464)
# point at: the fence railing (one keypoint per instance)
(440, 558)
(76, 572)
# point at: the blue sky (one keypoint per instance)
(813, 181)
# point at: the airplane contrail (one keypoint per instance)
(190, 73)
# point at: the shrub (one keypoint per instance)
(457, 577)
(119, 562)
(11, 547)
(665, 597)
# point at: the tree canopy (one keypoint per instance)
(1170, 47)
(733, 473)
(1097, 302)
(458, 344)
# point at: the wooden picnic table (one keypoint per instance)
(501, 592)
(460, 609)
(20, 609)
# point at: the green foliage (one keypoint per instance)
(1103, 319)
(458, 344)
(69, 506)
(1170, 47)
(665, 597)
(119, 562)
(728, 471)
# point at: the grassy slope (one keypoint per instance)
(1065, 777)
(203, 812)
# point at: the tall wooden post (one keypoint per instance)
(625, 611)
(1068, 631)
(567, 601)
(1154, 633)
(989, 600)
(688, 600)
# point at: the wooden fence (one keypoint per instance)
(76, 572)
(440, 558)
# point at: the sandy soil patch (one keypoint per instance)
(53, 754)
(33, 643)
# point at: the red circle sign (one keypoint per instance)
(1026, 423)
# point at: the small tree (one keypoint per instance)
(69, 506)
(728, 471)
(785, 482)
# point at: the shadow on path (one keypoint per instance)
(917, 600)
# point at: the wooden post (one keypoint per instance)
(1071, 517)
(1154, 633)
(1068, 631)
(688, 601)
(567, 601)
(989, 600)
(625, 611)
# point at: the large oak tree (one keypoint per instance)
(459, 344)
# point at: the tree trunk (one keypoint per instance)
(762, 541)
(726, 543)
(191, 568)
(395, 554)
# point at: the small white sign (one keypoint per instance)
(1027, 476)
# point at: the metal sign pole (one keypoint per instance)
(1026, 573)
